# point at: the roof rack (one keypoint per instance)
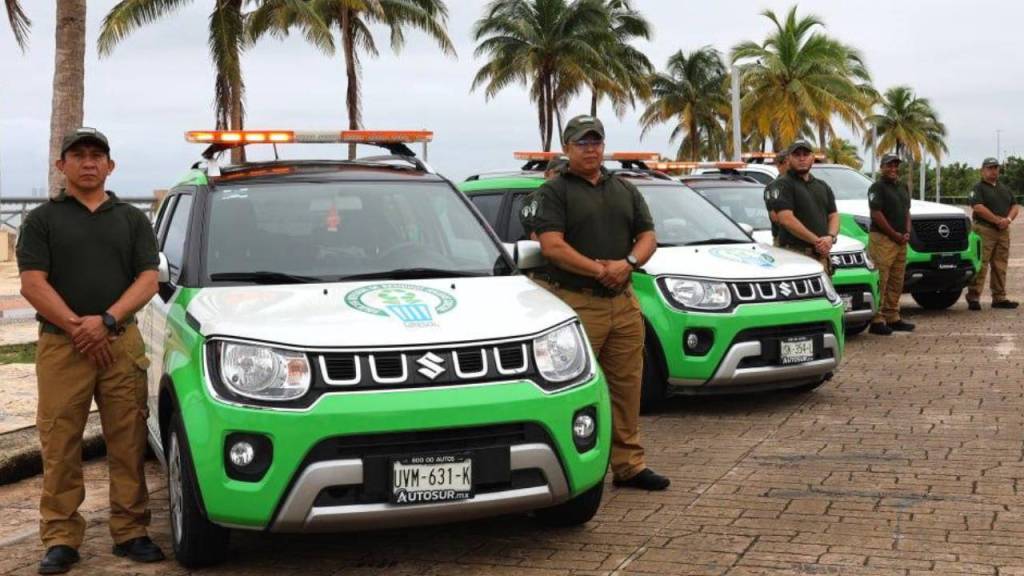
(719, 176)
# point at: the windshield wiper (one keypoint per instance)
(264, 277)
(717, 241)
(412, 274)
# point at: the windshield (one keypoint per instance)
(333, 230)
(846, 183)
(742, 204)
(681, 217)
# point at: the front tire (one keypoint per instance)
(857, 329)
(653, 388)
(937, 300)
(197, 541)
(575, 512)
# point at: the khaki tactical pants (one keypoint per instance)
(615, 329)
(995, 250)
(68, 381)
(891, 260)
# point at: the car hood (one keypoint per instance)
(731, 262)
(843, 243)
(384, 313)
(917, 208)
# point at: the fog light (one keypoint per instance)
(692, 340)
(242, 454)
(698, 341)
(583, 427)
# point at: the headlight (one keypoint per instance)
(830, 290)
(560, 354)
(264, 373)
(697, 294)
(864, 222)
(868, 262)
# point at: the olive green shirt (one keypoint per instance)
(998, 199)
(811, 202)
(892, 199)
(599, 221)
(90, 258)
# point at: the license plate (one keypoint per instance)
(948, 261)
(797, 350)
(426, 479)
(847, 303)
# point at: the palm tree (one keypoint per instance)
(841, 151)
(909, 125)
(19, 22)
(66, 109)
(628, 68)
(692, 94)
(800, 78)
(352, 18)
(548, 45)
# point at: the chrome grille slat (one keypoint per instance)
(748, 292)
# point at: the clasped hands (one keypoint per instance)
(615, 274)
(91, 338)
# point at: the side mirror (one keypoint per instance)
(747, 228)
(528, 255)
(163, 271)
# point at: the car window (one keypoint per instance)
(761, 177)
(336, 229)
(515, 226)
(682, 216)
(744, 204)
(846, 183)
(177, 232)
(488, 205)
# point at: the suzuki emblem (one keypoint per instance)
(785, 289)
(431, 365)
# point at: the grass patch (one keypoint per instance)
(18, 354)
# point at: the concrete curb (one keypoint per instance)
(20, 453)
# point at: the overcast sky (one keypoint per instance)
(965, 57)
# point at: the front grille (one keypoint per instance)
(848, 260)
(778, 290)
(788, 331)
(939, 234)
(427, 367)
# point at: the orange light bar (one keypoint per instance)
(307, 137)
(236, 136)
(537, 155)
(638, 156)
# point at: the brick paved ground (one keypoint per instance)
(907, 463)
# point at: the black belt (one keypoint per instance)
(600, 292)
(51, 328)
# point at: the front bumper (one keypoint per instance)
(859, 288)
(729, 366)
(940, 273)
(328, 470)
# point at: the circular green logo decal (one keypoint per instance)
(744, 256)
(412, 304)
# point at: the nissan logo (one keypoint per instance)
(943, 230)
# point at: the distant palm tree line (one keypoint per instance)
(796, 83)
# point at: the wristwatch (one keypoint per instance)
(633, 261)
(109, 322)
(834, 237)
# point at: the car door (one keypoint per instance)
(172, 229)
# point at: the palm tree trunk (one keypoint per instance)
(593, 103)
(68, 81)
(821, 135)
(352, 75)
(237, 113)
(542, 108)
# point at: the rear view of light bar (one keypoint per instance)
(230, 137)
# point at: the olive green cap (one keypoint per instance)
(799, 145)
(84, 134)
(990, 162)
(580, 126)
(890, 158)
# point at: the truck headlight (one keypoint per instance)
(830, 290)
(560, 354)
(264, 373)
(695, 294)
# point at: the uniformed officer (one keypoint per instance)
(554, 167)
(771, 192)
(806, 207)
(994, 208)
(889, 202)
(88, 261)
(595, 229)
